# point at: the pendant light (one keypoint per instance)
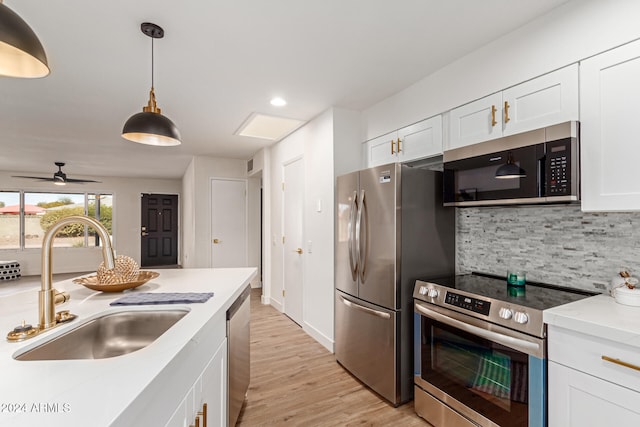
(510, 170)
(21, 53)
(151, 127)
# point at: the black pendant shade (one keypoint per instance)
(510, 170)
(151, 127)
(21, 53)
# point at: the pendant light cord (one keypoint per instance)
(152, 62)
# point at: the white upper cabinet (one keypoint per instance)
(543, 101)
(381, 150)
(610, 151)
(476, 121)
(417, 141)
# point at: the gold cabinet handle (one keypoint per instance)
(493, 115)
(203, 414)
(399, 149)
(393, 144)
(621, 363)
(299, 251)
(506, 112)
(216, 241)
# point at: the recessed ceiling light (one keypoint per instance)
(268, 127)
(278, 102)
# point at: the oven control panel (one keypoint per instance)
(468, 303)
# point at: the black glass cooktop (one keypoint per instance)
(538, 296)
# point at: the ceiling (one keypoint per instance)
(220, 61)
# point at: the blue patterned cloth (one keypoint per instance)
(150, 298)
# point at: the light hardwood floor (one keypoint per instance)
(297, 382)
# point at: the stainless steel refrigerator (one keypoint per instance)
(391, 230)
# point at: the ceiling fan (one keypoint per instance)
(59, 178)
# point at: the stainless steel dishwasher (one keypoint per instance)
(238, 351)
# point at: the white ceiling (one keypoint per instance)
(220, 61)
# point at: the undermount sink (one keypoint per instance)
(107, 336)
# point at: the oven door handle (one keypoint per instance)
(365, 309)
(512, 342)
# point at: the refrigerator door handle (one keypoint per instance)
(363, 308)
(361, 243)
(353, 260)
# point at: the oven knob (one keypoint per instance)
(423, 290)
(432, 293)
(520, 317)
(505, 313)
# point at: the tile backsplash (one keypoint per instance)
(555, 244)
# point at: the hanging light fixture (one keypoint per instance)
(151, 127)
(21, 53)
(510, 170)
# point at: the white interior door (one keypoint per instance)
(228, 223)
(293, 256)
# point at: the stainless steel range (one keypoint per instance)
(480, 350)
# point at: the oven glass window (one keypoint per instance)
(487, 377)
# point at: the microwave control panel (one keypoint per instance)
(468, 303)
(559, 168)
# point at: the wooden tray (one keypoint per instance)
(91, 282)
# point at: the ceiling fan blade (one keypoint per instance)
(41, 178)
(79, 181)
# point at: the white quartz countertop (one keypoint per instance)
(600, 316)
(94, 392)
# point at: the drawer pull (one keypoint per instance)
(621, 363)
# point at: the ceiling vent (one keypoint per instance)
(263, 126)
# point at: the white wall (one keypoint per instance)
(329, 142)
(126, 220)
(253, 227)
(576, 30)
(188, 219)
(197, 192)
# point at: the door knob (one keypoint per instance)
(216, 241)
(144, 233)
(299, 250)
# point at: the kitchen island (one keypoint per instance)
(164, 383)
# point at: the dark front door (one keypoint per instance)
(159, 230)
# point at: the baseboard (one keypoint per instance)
(326, 342)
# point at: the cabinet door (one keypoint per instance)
(609, 95)
(382, 150)
(214, 388)
(475, 122)
(577, 399)
(543, 101)
(423, 139)
(182, 416)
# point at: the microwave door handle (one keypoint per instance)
(351, 228)
(542, 176)
(511, 342)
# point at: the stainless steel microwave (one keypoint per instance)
(539, 166)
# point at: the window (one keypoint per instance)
(9, 220)
(31, 215)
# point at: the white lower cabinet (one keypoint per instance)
(417, 141)
(211, 389)
(592, 381)
(577, 399)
